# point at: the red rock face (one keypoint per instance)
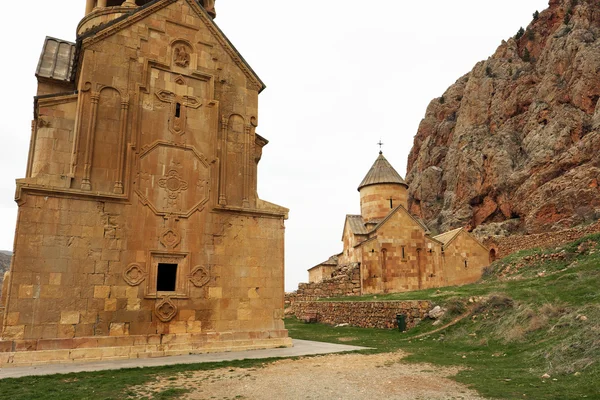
(518, 136)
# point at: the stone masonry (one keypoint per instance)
(140, 232)
(371, 314)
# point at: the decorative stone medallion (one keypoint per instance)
(200, 276)
(170, 238)
(173, 184)
(134, 274)
(165, 310)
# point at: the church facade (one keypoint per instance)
(394, 250)
(140, 232)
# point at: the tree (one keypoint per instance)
(520, 33)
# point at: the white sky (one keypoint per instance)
(340, 75)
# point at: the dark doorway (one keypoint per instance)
(492, 255)
(166, 279)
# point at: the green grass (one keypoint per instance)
(542, 316)
(107, 385)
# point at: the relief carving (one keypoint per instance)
(179, 106)
(170, 238)
(165, 310)
(174, 185)
(200, 276)
(134, 275)
(181, 56)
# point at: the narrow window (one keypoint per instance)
(466, 264)
(166, 279)
(178, 110)
(391, 203)
(403, 253)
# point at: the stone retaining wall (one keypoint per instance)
(345, 283)
(505, 246)
(372, 314)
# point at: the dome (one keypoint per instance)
(382, 172)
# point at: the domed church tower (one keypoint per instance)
(382, 190)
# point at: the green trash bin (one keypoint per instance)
(401, 320)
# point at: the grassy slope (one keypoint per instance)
(535, 313)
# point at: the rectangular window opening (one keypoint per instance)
(403, 253)
(178, 110)
(166, 279)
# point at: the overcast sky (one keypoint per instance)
(340, 75)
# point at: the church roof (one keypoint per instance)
(447, 237)
(57, 60)
(394, 211)
(357, 224)
(331, 262)
(382, 172)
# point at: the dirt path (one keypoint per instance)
(347, 376)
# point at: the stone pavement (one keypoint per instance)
(301, 348)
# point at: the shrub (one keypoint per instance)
(526, 55)
(455, 307)
(536, 14)
(520, 33)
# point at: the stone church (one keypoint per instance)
(393, 250)
(140, 232)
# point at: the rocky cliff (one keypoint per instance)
(515, 143)
(4, 265)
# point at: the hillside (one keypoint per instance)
(529, 329)
(515, 142)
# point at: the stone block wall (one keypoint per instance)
(375, 314)
(504, 246)
(346, 282)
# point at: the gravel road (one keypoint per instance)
(346, 376)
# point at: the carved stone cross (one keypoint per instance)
(179, 106)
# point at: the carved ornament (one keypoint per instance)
(200, 276)
(170, 238)
(181, 56)
(165, 310)
(173, 184)
(134, 274)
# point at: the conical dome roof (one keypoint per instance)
(382, 172)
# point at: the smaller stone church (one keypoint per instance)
(393, 250)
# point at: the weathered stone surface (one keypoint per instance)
(437, 312)
(138, 216)
(518, 136)
(372, 314)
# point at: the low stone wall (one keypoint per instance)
(372, 314)
(345, 283)
(505, 246)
